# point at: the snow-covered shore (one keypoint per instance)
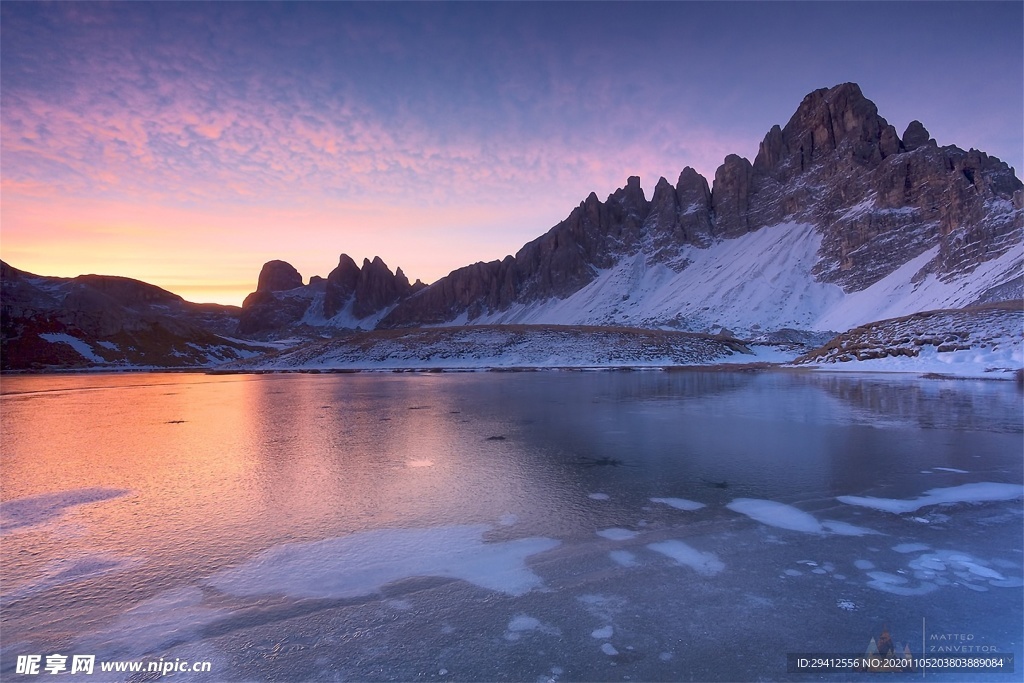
(980, 342)
(514, 346)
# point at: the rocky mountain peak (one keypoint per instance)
(730, 197)
(916, 136)
(277, 276)
(341, 283)
(827, 120)
(693, 189)
(401, 280)
(679, 215)
(377, 288)
(664, 201)
(632, 195)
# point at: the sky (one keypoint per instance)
(185, 144)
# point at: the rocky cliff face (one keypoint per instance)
(877, 199)
(348, 297)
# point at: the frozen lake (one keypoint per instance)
(507, 526)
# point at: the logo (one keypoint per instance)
(885, 654)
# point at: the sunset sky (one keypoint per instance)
(187, 144)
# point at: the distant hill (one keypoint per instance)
(108, 322)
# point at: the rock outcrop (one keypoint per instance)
(279, 300)
(278, 276)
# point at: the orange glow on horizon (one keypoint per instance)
(214, 255)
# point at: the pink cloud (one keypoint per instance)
(151, 168)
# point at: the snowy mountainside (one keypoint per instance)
(757, 282)
(839, 220)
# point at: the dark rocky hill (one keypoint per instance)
(107, 321)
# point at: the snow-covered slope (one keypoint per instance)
(759, 281)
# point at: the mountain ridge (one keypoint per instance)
(835, 163)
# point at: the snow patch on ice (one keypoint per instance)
(603, 607)
(679, 503)
(616, 534)
(420, 463)
(360, 564)
(169, 618)
(603, 632)
(522, 623)
(776, 514)
(890, 583)
(966, 493)
(609, 649)
(70, 569)
(598, 496)
(846, 529)
(910, 547)
(623, 558)
(704, 563)
(937, 568)
(35, 510)
(951, 469)
(788, 517)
